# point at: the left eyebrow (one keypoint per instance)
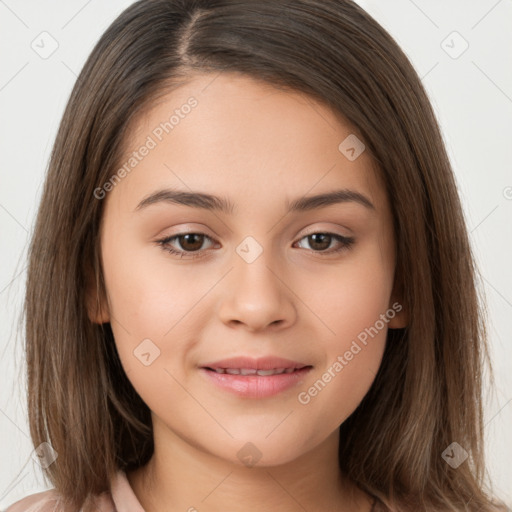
(224, 205)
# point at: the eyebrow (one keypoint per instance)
(224, 205)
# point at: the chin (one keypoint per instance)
(262, 452)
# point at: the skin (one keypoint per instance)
(259, 147)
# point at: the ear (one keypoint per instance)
(396, 304)
(96, 303)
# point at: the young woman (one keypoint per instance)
(250, 284)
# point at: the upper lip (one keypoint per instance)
(261, 363)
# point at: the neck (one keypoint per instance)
(182, 477)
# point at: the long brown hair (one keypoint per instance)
(427, 393)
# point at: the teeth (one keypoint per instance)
(275, 371)
(248, 371)
(252, 371)
(264, 373)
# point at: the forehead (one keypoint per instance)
(236, 136)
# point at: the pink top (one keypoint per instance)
(121, 498)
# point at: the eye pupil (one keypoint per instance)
(191, 236)
(320, 238)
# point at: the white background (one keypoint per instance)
(471, 94)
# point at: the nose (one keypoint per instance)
(257, 296)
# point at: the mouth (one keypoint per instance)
(255, 378)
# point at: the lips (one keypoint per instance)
(254, 378)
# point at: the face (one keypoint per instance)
(269, 275)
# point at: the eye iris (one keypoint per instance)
(320, 238)
(191, 237)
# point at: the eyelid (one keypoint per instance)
(309, 231)
(346, 241)
(204, 230)
(332, 231)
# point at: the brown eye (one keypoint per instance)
(191, 241)
(188, 244)
(319, 242)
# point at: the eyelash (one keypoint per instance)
(346, 242)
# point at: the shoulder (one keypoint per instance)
(52, 501)
(46, 501)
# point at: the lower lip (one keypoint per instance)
(256, 386)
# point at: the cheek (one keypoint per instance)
(346, 373)
(347, 297)
(340, 386)
(145, 304)
(354, 310)
(147, 296)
